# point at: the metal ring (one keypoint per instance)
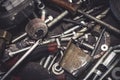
(104, 47)
(114, 73)
(57, 71)
(41, 6)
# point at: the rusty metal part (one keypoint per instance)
(36, 28)
(105, 41)
(98, 42)
(6, 36)
(74, 59)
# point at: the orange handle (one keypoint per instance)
(67, 5)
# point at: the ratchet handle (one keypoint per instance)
(67, 5)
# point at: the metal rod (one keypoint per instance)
(42, 43)
(42, 61)
(109, 59)
(100, 22)
(95, 77)
(53, 60)
(80, 33)
(57, 18)
(98, 42)
(47, 61)
(19, 51)
(18, 38)
(97, 64)
(88, 45)
(67, 32)
(71, 29)
(21, 60)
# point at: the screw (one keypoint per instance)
(87, 46)
(50, 18)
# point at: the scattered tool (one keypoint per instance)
(21, 60)
(74, 8)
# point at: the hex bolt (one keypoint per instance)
(50, 18)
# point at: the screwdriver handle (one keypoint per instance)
(67, 5)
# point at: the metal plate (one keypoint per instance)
(74, 59)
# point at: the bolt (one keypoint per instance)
(50, 18)
(88, 46)
(58, 18)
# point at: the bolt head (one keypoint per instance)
(50, 18)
